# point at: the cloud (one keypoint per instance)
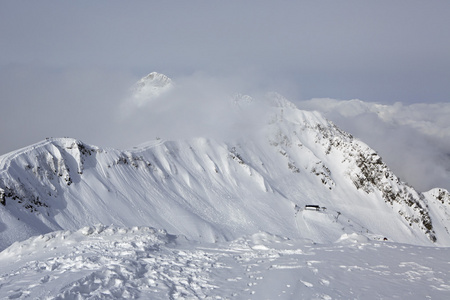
(195, 106)
(413, 139)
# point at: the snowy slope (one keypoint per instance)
(211, 190)
(108, 262)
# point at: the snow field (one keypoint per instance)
(108, 262)
(103, 263)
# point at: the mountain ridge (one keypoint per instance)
(220, 190)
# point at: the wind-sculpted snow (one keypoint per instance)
(211, 190)
(109, 262)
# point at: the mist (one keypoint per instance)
(199, 105)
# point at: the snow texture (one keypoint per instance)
(108, 262)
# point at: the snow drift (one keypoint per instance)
(110, 262)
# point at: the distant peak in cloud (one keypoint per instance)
(154, 79)
(150, 87)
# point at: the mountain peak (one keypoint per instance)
(154, 79)
(150, 87)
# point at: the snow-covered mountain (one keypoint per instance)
(214, 190)
(288, 206)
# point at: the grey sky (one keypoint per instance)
(65, 66)
(373, 50)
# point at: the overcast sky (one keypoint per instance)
(66, 66)
(381, 51)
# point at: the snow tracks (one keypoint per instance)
(115, 263)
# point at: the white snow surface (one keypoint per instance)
(235, 211)
(108, 262)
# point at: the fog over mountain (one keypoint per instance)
(412, 138)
